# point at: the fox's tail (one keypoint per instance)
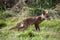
(12, 28)
(18, 26)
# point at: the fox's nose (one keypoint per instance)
(48, 17)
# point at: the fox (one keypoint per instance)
(24, 24)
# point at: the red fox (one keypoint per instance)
(32, 20)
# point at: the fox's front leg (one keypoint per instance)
(37, 26)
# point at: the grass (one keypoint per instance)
(2, 23)
(50, 30)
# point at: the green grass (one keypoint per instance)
(50, 30)
(52, 25)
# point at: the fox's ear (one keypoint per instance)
(44, 13)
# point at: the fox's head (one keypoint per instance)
(45, 15)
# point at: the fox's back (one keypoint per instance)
(29, 20)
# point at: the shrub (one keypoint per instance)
(6, 14)
(2, 24)
(35, 12)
